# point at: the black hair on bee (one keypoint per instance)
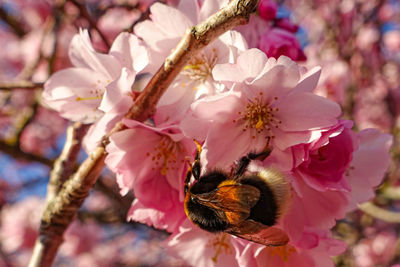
(241, 203)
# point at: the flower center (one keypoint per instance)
(220, 245)
(259, 116)
(200, 66)
(283, 251)
(164, 155)
(97, 92)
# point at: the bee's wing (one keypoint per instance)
(234, 200)
(259, 233)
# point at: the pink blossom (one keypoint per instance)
(369, 164)
(327, 159)
(312, 250)
(377, 250)
(312, 208)
(20, 223)
(77, 93)
(262, 105)
(162, 33)
(277, 42)
(254, 30)
(200, 248)
(41, 134)
(335, 80)
(286, 24)
(155, 163)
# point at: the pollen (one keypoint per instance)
(97, 94)
(220, 245)
(88, 98)
(200, 66)
(164, 155)
(283, 251)
(259, 116)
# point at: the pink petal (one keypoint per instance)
(222, 152)
(118, 95)
(370, 162)
(309, 81)
(169, 20)
(75, 93)
(169, 220)
(313, 112)
(127, 49)
(218, 107)
(83, 55)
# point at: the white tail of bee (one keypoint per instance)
(280, 188)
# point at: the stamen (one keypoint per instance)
(200, 67)
(89, 98)
(220, 245)
(164, 155)
(259, 116)
(283, 251)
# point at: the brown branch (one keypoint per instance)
(84, 12)
(30, 117)
(61, 211)
(18, 154)
(64, 166)
(20, 85)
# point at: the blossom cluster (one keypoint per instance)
(233, 99)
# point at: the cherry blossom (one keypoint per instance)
(260, 107)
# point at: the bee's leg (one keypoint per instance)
(244, 162)
(187, 179)
(194, 168)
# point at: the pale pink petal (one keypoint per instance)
(370, 162)
(201, 248)
(191, 9)
(215, 152)
(101, 127)
(321, 209)
(276, 82)
(209, 7)
(217, 107)
(169, 221)
(249, 64)
(75, 93)
(314, 112)
(285, 140)
(169, 20)
(127, 49)
(309, 80)
(118, 95)
(83, 55)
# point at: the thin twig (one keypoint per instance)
(18, 154)
(391, 192)
(84, 12)
(60, 212)
(15, 25)
(379, 213)
(64, 166)
(20, 85)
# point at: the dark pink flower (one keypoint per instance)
(279, 42)
(267, 9)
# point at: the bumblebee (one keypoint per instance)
(240, 203)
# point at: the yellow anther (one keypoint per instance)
(260, 123)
